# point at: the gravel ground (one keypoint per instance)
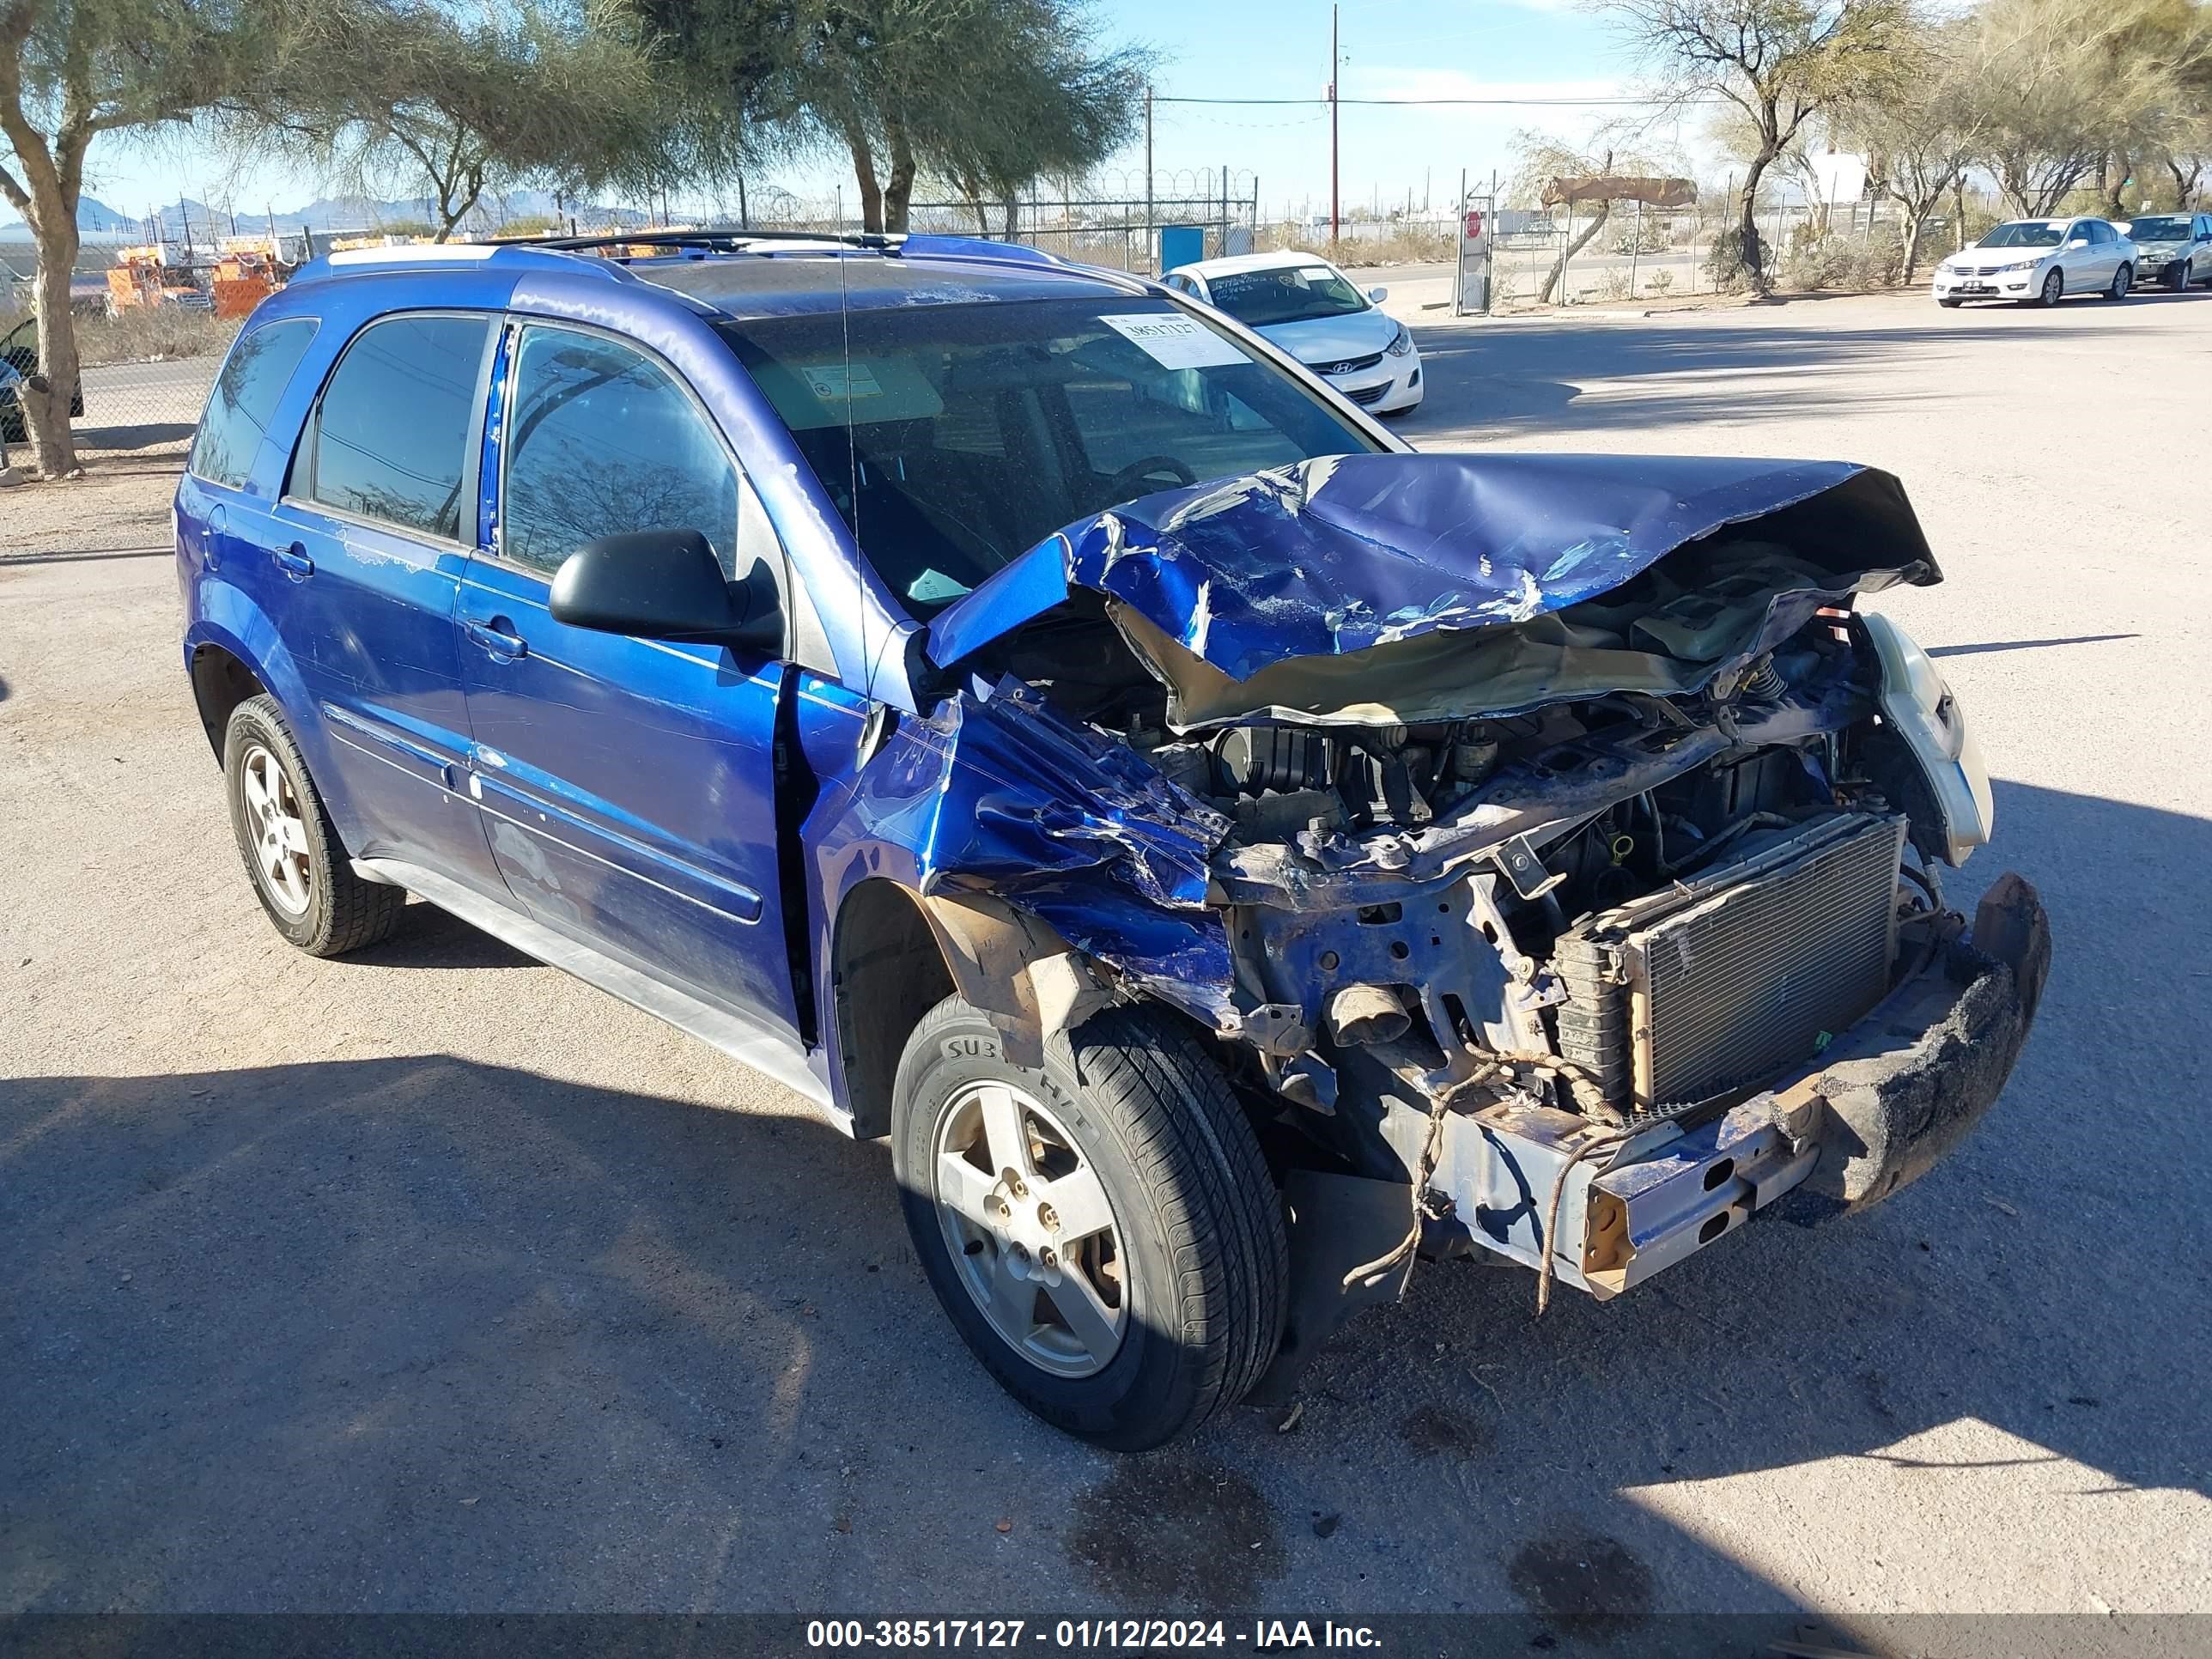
(431, 1280)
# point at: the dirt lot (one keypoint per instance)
(432, 1279)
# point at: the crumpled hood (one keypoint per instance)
(1344, 554)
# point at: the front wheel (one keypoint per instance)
(2054, 288)
(1950, 305)
(2122, 279)
(1102, 1231)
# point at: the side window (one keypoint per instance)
(245, 397)
(390, 440)
(2101, 233)
(601, 441)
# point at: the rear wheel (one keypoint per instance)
(300, 870)
(1102, 1231)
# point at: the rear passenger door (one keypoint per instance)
(628, 784)
(368, 547)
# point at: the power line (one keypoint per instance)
(1393, 103)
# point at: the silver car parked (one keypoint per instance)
(2039, 262)
(2174, 248)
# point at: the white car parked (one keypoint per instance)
(2040, 262)
(2174, 248)
(1308, 308)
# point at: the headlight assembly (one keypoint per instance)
(1919, 707)
(1400, 343)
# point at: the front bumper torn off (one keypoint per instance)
(1879, 1107)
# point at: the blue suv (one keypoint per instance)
(1229, 854)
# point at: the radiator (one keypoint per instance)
(1731, 977)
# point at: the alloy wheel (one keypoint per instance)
(1032, 1231)
(279, 829)
(2053, 286)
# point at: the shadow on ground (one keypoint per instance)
(1503, 378)
(142, 436)
(417, 1333)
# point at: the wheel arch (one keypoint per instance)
(220, 681)
(896, 954)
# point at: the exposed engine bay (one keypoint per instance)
(1549, 873)
(1417, 900)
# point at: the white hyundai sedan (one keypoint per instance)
(2039, 262)
(1308, 308)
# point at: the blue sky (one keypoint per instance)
(1537, 49)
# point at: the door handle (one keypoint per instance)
(497, 638)
(293, 562)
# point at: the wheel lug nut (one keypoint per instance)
(1047, 1259)
(1047, 1217)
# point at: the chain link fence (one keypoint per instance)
(1645, 254)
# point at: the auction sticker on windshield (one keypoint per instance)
(1175, 342)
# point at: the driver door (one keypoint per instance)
(627, 785)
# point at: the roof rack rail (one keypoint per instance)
(426, 256)
(725, 236)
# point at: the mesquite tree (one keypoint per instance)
(1779, 62)
(72, 70)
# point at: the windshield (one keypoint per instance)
(2159, 230)
(2031, 233)
(977, 430)
(1288, 294)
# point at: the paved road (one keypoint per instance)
(432, 1279)
(130, 406)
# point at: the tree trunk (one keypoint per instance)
(1749, 250)
(2184, 182)
(898, 189)
(1559, 265)
(1014, 216)
(1959, 213)
(864, 170)
(2115, 206)
(1914, 212)
(54, 234)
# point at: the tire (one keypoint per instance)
(1191, 1262)
(2122, 279)
(318, 905)
(2178, 278)
(2054, 289)
(1950, 304)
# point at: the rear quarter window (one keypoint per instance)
(247, 393)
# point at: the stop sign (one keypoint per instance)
(1473, 226)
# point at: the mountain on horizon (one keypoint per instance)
(91, 214)
(187, 220)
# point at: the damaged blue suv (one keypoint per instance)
(1229, 855)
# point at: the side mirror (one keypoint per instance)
(1377, 295)
(663, 584)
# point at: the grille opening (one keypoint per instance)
(1718, 1174)
(1714, 1227)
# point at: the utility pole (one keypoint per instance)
(1151, 231)
(1335, 208)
